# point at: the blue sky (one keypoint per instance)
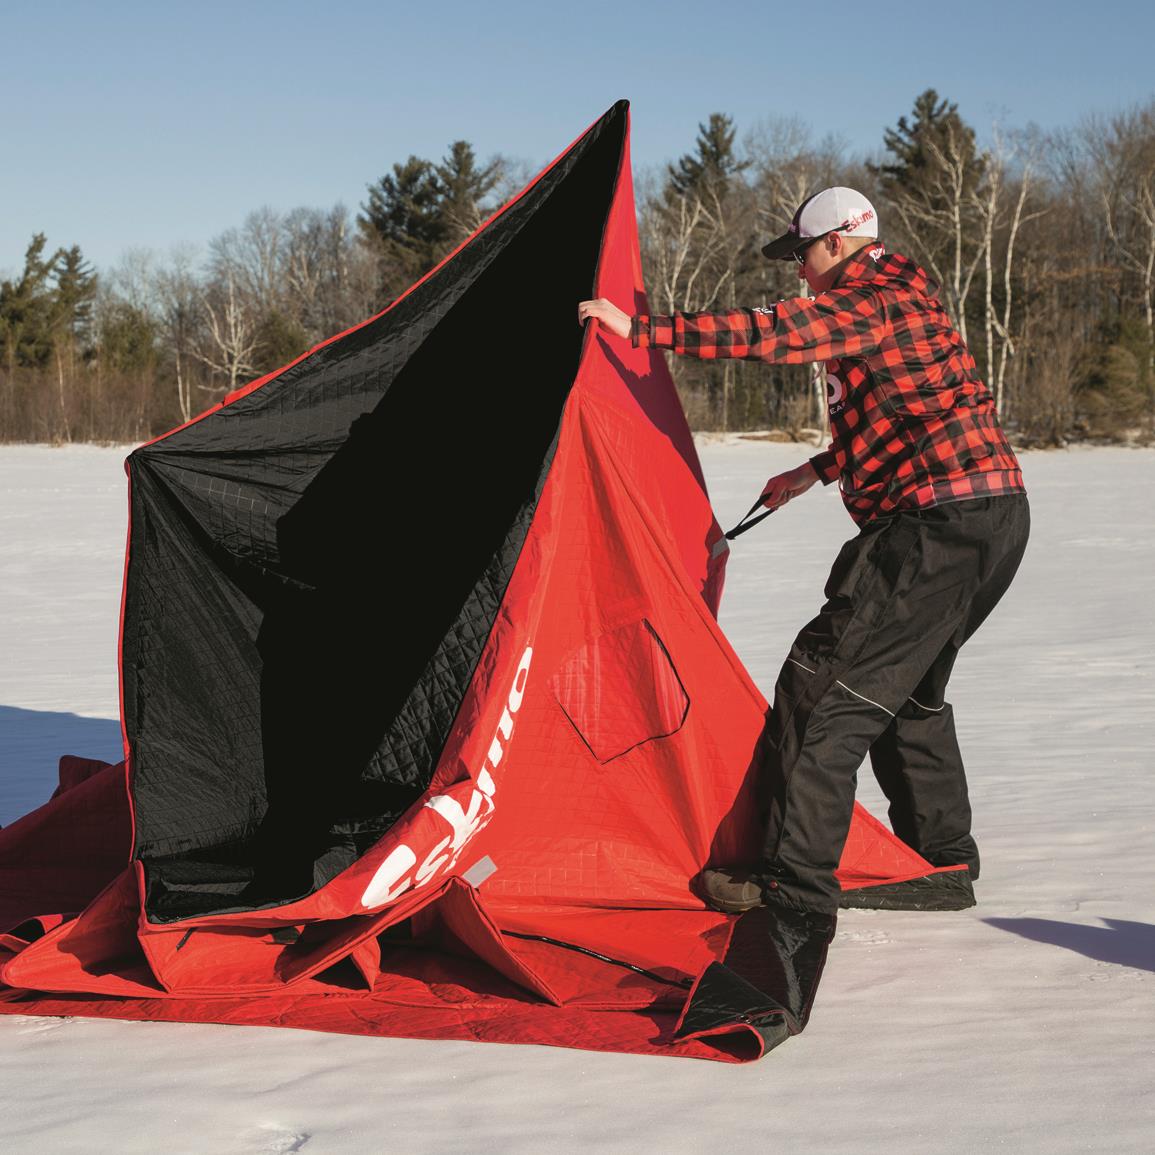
(127, 124)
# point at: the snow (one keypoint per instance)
(1026, 1024)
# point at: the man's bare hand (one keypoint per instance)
(607, 313)
(779, 490)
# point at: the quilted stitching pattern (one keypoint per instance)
(621, 690)
(242, 547)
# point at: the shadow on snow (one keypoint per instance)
(31, 743)
(1124, 943)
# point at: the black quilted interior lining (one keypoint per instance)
(315, 569)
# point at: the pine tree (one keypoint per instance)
(932, 182)
(75, 292)
(421, 211)
(26, 311)
(713, 162)
(707, 226)
(403, 220)
(279, 339)
(128, 344)
(462, 189)
(918, 147)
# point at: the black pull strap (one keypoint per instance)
(749, 522)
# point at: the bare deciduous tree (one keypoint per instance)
(178, 298)
(229, 342)
(250, 259)
(989, 201)
(1125, 153)
(939, 219)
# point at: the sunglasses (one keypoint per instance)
(799, 254)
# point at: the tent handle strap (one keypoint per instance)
(749, 522)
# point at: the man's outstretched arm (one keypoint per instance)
(837, 323)
(779, 489)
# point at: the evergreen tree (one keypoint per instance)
(75, 292)
(403, 220)
(128, 340)
(279, 339)
(708, 250)
(713, 162)
(420, 211)
(932, 181)
(919, 146)
(26, 311)
(462, 189)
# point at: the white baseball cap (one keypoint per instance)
(841, 210)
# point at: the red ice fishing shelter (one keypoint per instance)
(428, 721)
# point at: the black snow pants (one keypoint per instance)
(869, 674)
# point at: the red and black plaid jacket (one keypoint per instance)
(912, 424)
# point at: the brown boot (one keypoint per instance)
(732, 889)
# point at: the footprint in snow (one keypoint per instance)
(870, 937)
(272, 1139)
(41, 1026)
(1112, 972)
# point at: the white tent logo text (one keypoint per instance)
(400, 870)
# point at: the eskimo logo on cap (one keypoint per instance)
(852, 222)
(837, 209)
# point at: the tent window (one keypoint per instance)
(621, 690)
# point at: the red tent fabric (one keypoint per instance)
(557, 763)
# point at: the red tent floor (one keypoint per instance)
(450, 964)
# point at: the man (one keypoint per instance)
(929, 477)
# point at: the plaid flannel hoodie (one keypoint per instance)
(912, 424)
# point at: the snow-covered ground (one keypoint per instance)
(1027, 1024)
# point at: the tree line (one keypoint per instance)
(1043, 245)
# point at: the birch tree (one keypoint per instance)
(999, 215)
(1125, 160)
(229, 342)
(178, 298)
(697, 226)
(931, 182)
